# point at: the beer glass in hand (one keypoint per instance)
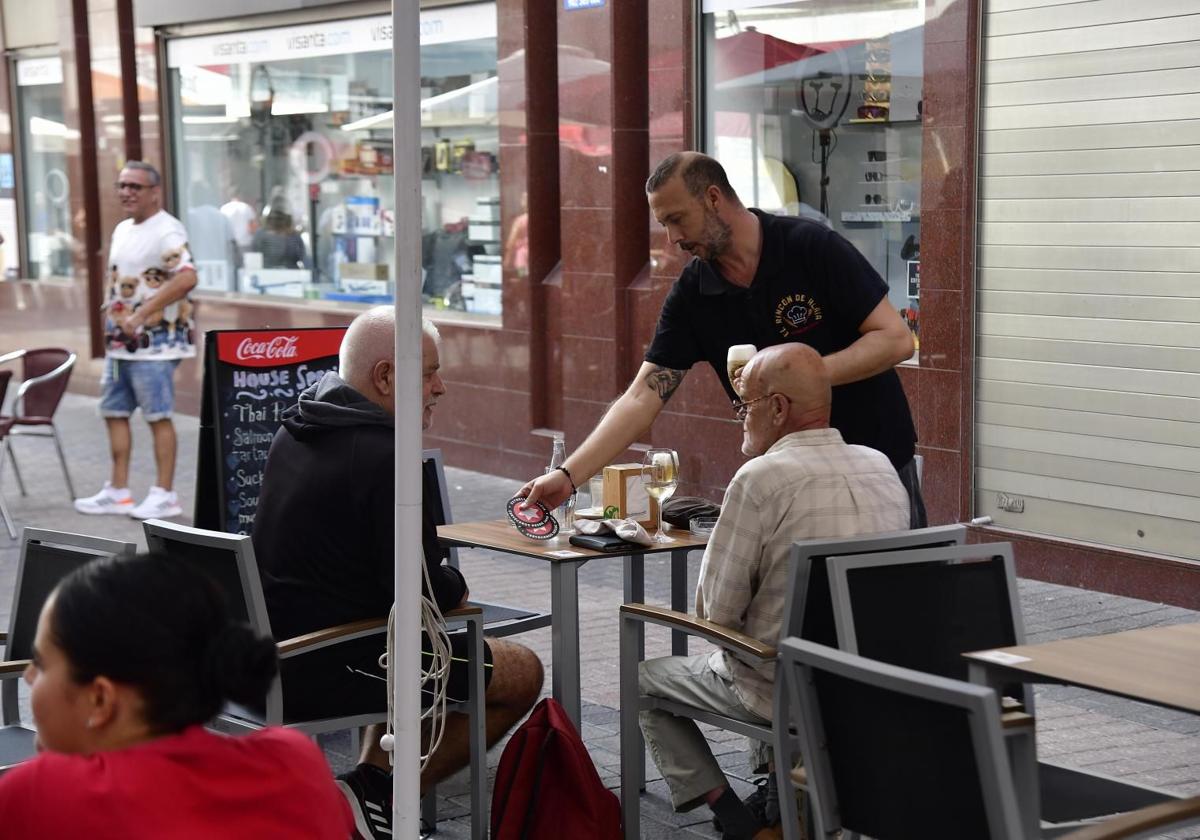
(660, 477)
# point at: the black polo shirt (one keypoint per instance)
(811, 286)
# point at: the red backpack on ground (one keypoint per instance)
(547, 787)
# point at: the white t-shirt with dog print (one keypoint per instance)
(141, 257)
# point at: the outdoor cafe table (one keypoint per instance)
(1157, 665)
(565, 560)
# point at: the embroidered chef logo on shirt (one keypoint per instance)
(796, 314)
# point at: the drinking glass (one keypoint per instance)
(660, 477)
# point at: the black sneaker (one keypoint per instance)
(368, 789)
(763, 804)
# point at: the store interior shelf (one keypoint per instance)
(860, 123)
(428, 123)
(878, 216)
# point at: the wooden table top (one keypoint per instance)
(1159, 665)
(500, 535)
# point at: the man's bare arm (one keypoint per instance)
(663, 381)
(630, 416)
(884, 341)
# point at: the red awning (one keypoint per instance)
(750, 51)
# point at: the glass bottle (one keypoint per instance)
(565, 513)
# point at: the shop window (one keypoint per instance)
(282, 154)
(48, 243)
(814, 109)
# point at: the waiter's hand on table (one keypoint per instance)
(552, 489)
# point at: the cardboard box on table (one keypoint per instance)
(623, 488)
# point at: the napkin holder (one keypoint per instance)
(623, 489)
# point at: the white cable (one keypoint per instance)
(433, 623)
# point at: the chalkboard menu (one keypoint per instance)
(250, 379)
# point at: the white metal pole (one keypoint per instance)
(406, 69)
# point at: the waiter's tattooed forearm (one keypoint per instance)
(664, 381)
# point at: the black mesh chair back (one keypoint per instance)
(898, 754)
(227, 559)
(439, 503)
(223, 558)
(46, 558)
(811, 614)
(923, 609)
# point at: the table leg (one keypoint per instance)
(679, 598)
(564, 637)
(635, 593)
(1022, 755)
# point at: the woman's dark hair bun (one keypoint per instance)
(239, 665)
(161, 625)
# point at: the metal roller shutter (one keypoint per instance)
(1087, 415)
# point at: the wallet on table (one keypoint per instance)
(600, 542)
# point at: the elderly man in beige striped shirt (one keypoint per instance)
(802, 482)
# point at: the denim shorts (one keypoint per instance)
(148, 385)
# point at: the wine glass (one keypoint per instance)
(660, 477)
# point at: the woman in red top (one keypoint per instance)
(132, 656)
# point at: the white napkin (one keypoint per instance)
(626, 529)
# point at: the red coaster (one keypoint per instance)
(547, 530)
(523, 514)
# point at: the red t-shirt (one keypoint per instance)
(196, 784)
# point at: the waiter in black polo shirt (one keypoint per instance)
(759, 279)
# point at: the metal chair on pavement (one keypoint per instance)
(808, 613)
(5, 427)
(45, 372)
(46, 558)
(922, 609)
(229, 560)
(896, 753)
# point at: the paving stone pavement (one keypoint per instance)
(1075, 727)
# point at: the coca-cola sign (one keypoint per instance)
(269, 348)
(281, 347)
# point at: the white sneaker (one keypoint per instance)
(108, 500)
(158, 504)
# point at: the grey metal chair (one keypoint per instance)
(46, 558)
(922, 609)
(893, 753)
(45, 372)
(808, 614)
(229, 559)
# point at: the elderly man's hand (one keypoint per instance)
(552, 489)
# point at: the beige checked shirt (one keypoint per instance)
(808, 485)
